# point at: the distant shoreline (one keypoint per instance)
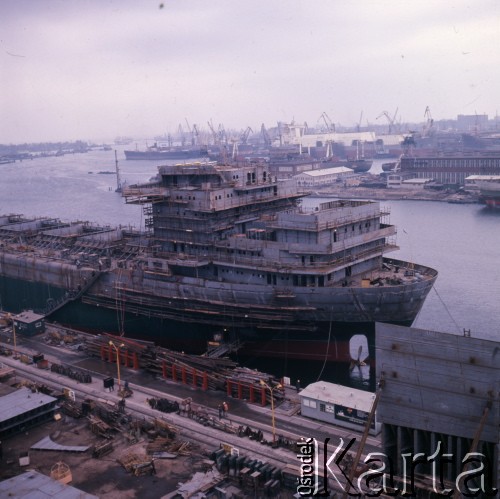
(399, 194)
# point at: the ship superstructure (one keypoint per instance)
(231, 251)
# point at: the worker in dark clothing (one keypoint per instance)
(121, 405)
(220, 411)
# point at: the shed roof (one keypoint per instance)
(21, 401)
(483, 177)
(328, 171)
(28, 316)
(35, 485)
(339, 394)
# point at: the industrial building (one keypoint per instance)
(451, 169)
(472, 182)
(441, 398)
(22, 409)
(29, 323)
(407, 181)
(32, 484)
(339, 405)
(323, 176)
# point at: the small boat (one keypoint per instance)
(389, 167)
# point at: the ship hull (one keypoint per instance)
(493, 202)
(186, 313)
(165, 155)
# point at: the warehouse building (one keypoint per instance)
(323, 176)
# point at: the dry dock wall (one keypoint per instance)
(438, 388)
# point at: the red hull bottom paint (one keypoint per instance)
(493, 203)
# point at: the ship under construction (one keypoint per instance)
(228, 254)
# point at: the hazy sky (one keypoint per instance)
(95, 69)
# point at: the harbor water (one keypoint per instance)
(460, 241)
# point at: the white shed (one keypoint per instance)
(339, 405)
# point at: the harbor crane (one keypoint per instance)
(358, 124)
(428, 125)
(196, 135)
(180, 133)
(330, 126)
(265, 135)
(193, 132)
(214, 133)
(389, 119)
(244, 136)
(222, 134)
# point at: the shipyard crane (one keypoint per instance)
(180, 133)
(389, 119)
(193, 138)
(358, 124)
(214, 133)
(265, 135)
(428, 125)
(196, 135)
(222, 134)
(245, 134)
(330, 126)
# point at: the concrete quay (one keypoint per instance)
(288, 422)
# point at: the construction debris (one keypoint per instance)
(138, 464)
(102, 449)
